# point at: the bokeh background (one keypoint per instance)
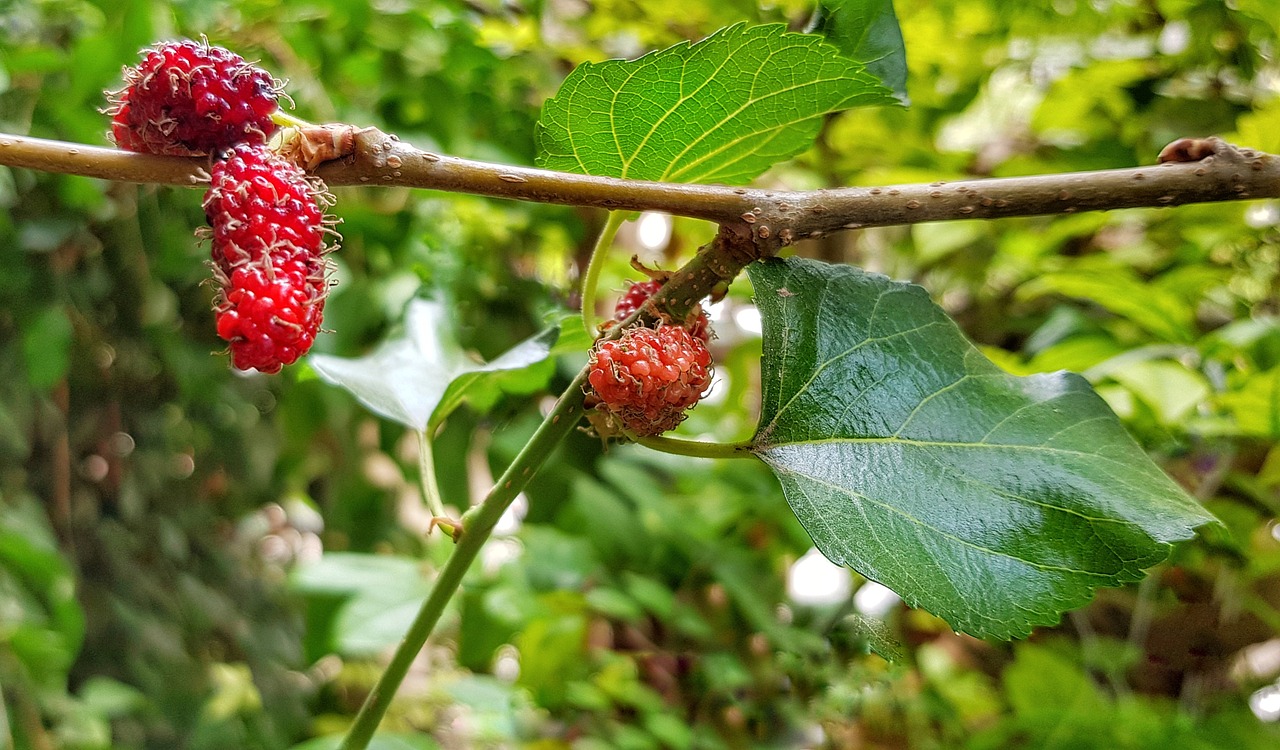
(192, 557)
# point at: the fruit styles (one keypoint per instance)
(647, 379)
(192, 99)
(268, 229)
(266, 216)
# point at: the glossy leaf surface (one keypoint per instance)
(996, 502)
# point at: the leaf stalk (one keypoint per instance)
(696, 448)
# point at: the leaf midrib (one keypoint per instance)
(968, 478)
(915, 443)
(783, 468)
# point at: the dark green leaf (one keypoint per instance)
(994, 501)
(867, 31)
(382, 741)
(46, 346)
(722, 110)
(37, 582)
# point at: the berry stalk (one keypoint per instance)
(696, 448)
(591, 280)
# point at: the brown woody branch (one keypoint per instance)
(1197, 171)
(754, 223)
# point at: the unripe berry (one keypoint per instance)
(641, 291)
(649, 377)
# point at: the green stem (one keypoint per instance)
(696, 448)
(592, 278)
(478, 524)
(286, 120)
(427, 476)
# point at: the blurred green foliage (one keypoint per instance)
(162, 519)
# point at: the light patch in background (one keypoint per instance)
(513, 517)
(875, 600)
(816, 581)
(1174, 39)
(1264, 214)
(1260, 661)
(718, 393)
(653, 230)
(498, 552)
(1006, 105)
(1265, 703)
(748, 319)
(506, 666)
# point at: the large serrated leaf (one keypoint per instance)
(418, 378)
(996, 502)
(722, 110)
(867, 31)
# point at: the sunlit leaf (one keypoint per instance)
(1170, 389)
(994, 501)
(381, 593)
(722, 110)
(1256, 405)
(1164, 314)
(417, 378)
(868, 31)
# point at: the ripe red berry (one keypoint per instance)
(270, 314)
(639, 291)
(649, 377)
(189, 99)
(268, 253)
(261, 205)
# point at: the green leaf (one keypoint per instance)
(46, 347)
(418, 378)
(1171, 389)
(382, 595)
(349, 573)
(1256, 404)
(1051, 694)
(867, 31)
(1166, 315)
(380, 741)
(37, 583)
(993, 501)
(722, 110)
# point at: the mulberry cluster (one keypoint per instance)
(268, 255)
(640, 291)
(191, 99)
(266, 216)
(648, 378)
